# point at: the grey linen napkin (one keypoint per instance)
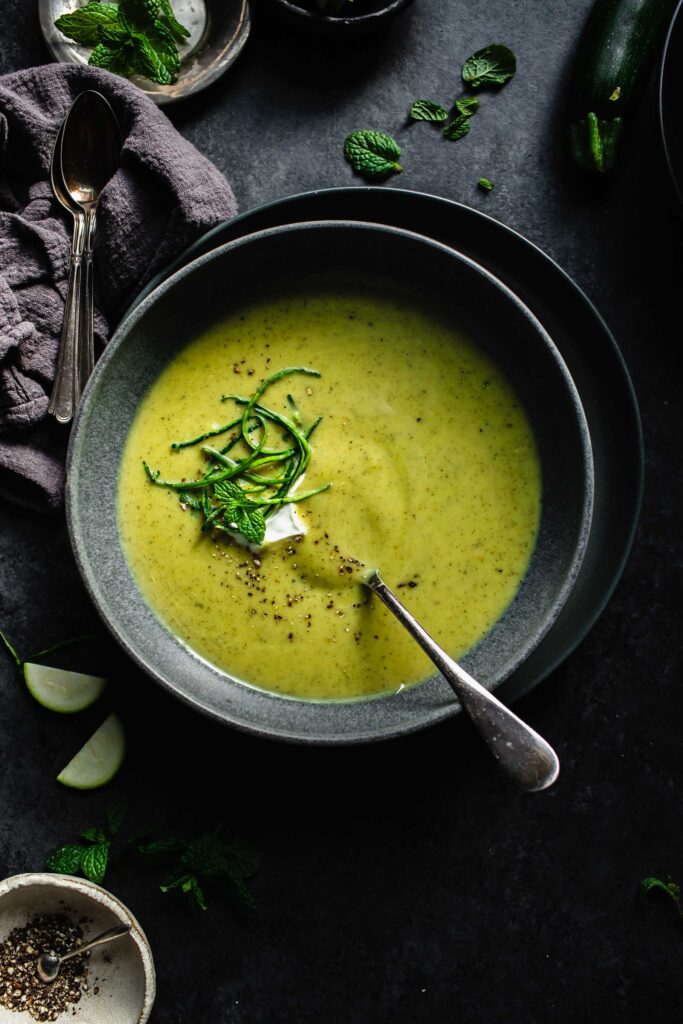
(164, 195)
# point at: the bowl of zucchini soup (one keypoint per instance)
(295, 408)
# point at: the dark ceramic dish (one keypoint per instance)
(195, 298)
(357, 17)
(585, 343)
(670, 100)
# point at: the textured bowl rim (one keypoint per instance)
(94, 892)
(271, 728)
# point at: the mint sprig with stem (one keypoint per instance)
(236, 496)
(130, 37)
(193, 865)
(90, 856)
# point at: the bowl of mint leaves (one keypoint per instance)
(339, 17)
(169, 48)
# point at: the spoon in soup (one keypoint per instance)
(522, 754)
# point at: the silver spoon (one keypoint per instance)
(524, 755)
(85, 158)
(48, 965)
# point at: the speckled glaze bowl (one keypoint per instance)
(201, 294)
(121, 978)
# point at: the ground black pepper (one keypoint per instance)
(20, 987)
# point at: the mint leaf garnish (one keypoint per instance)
(427, 110)
(246, 519)
(372, 154)
(83, 25)
(467, 105)
(228, 490)
(457, 128)
(494, 65)
(485, 185)
(238, 495)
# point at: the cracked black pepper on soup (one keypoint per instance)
(435, 480)
(20, 987)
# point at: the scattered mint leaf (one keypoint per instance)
(427, 110)
(94, 861)
(494, 65)
(372, 154)
(83, 25)
(458, 128)
(670, 888)
(247, 519)
(93, 835)
(163, 851)
(485, 185)
(115, 815)
(467, 105)
(189, 886)
(235, 887)
(66, 860)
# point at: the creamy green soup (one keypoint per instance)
(435, 480)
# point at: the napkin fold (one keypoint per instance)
(164, 195)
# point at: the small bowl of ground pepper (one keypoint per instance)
(49, 913)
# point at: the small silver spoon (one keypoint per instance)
(48, 965)
(89, 152)
(524, 755)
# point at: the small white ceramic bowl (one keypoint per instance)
(126, 983)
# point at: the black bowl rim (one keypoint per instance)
(332, 22)
(411, 722)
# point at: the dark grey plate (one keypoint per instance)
(578, 330)
(194, 299)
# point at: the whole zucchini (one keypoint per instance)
(614, 60)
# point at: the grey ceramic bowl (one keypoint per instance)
(201, 294)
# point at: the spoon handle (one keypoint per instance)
(524, 755)
(66, 389)
(86, 361)
(108, 936)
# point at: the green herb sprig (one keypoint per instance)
(238, 495)
(90, 856)
(210, 859)
(132, 37)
